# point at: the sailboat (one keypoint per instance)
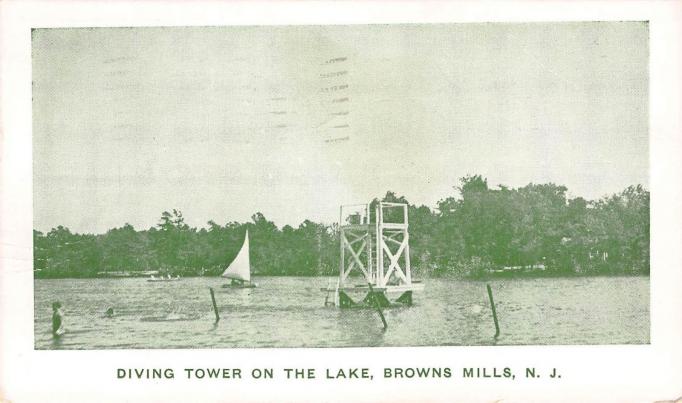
(239, 271)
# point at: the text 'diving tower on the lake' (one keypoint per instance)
(374, 243)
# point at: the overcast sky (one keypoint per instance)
(293, 121)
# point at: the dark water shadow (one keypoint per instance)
(57, 342)
(61, 341)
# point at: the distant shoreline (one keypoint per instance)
(535, 230)
(497, 276)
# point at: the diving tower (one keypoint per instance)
(374, 247)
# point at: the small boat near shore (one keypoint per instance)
(162, 278)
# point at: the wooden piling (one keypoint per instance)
(215, 306)
(492, 306)
(376, 304)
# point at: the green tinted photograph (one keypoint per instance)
(392, 185)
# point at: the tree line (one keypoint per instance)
(477, 231)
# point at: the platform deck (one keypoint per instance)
(415, 286)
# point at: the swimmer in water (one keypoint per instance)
(109, 313)
(57, 319)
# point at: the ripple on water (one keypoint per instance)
(289, 312)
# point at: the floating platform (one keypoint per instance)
(392, 289)
(360, 295)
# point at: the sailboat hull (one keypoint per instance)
(249, 285)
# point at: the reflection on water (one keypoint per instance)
(289, 312)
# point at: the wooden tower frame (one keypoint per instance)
(397, 234)
(378, 247)
(350, 234)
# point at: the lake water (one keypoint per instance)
(290, 312)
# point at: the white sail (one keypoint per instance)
(240, 268)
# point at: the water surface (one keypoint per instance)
(290, 312)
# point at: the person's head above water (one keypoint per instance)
(56, 305)
(110, 312)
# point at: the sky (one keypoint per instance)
(293, 121)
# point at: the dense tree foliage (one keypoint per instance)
(478, 231)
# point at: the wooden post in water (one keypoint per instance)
(492, 306)
(376, 303)
(215, 307)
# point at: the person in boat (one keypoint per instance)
(237, 282)
(57, 319)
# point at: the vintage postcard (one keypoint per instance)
(388, 207)
(168, 161)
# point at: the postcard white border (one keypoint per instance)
(594, 373)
